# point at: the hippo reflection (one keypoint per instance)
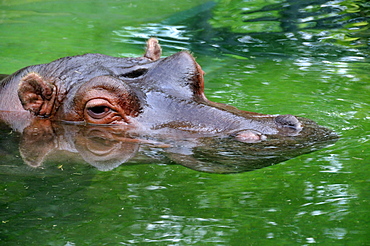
(108, 146)
(146, 98)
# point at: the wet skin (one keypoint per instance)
(144, 95)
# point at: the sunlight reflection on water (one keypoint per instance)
(170, 36)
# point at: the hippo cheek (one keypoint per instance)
(103, 100)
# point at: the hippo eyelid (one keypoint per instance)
(135, 74)
(98, 112)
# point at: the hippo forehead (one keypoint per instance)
(70, 71)
(177, 75)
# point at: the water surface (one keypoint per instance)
(308, 59)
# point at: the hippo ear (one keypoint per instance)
(36, 94)
(153, 49)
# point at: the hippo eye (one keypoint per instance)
(98, 108)
(98, 112)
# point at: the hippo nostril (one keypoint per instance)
(135, 74)
(288, 120)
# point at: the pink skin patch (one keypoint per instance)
(249, 136)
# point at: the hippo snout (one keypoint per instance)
(288, 120)
(289, 123)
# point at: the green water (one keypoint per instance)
(309, 59)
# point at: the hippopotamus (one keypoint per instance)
(146, 95)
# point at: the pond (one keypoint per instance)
(305, 58)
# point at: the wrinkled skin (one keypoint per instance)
(146, 95)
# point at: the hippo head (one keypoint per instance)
(147, 93)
